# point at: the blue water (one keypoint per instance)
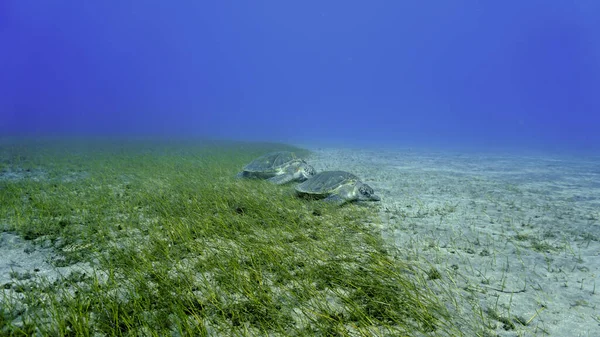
(521, 74)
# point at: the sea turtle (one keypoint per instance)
(338, 187)
(278, 167)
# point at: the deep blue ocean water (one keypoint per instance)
(484, 74)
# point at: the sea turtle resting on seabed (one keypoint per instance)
(278, 167)
(338, 187)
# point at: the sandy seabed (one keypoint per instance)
(518, 235)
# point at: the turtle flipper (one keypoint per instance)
(374, 197)
(242, 174)
(281, 179)
(335, 199)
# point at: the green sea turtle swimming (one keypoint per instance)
(278, 167)
(338, 187)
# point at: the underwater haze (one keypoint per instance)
(519, 74)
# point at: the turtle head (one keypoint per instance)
(365, 192)
(305, 171)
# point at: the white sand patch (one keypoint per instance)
(518, 234)
(24, 263)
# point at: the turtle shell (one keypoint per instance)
(326, 182)
(271, 162)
